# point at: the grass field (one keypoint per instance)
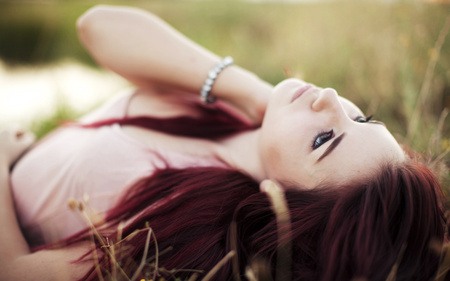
(392, 60)
(387, 58)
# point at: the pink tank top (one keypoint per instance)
(72, 162)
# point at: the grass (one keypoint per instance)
(392, 60)
(375, 54)
(257, 270)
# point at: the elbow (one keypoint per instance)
(88, 22)
(105, 15)
(91, 15)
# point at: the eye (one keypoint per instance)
(362, 119)
(322, 138)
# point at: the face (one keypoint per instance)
(311, 136)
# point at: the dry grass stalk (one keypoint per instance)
(152, 262)
(233, 242)
(424, 91)
(437, 139)
(144, 256)
(444, 266)
(216, 268)
(250, 274)
(259, 269)
(393, 273)
(444, 250)
(284, 253)
(193, 277)
(104, 246)
(98, 270)
(253, 271)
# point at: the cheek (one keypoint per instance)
(281, 150)
(272, 161)
(286, 138)
(270, 144)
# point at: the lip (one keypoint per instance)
(301, 91)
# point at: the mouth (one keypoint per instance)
(301, 91)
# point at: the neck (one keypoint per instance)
(241, 152)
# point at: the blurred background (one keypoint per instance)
(392, 58)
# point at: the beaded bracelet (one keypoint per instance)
(212, 75)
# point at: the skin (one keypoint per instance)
(290, 128)
(281, 150)
(18, 262)
(151, 54)
(157, 59)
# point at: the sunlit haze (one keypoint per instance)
(27, 93)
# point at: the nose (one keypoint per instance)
(327, 100)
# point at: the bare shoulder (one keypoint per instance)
(161, 104)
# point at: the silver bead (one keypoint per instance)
(206, 88)
(212, 74)
(227, 61)
(209, 82)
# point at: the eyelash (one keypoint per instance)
(323, 137)
(364, 120)
(327, 135)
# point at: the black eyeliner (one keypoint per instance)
(330, 133)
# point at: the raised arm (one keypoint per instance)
(147, 51)
(16, 260)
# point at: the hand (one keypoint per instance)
(256, 108)
(13, 143)
(250, 112)
(254, 102)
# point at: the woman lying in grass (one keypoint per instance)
(199, 169)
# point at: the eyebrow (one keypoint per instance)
(337, 140)
(376, 122)
(331, 147)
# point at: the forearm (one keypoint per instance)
(143, 48)
(147, 51)
(16, 260)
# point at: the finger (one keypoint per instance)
(234, 111)
(19, 134)
(13, 132)
(24, 138)
(21, 137)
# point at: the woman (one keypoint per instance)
(191, 169)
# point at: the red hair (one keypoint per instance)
(213, 122)
(338, 232)
(369, 226)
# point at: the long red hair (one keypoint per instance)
(338, 232)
